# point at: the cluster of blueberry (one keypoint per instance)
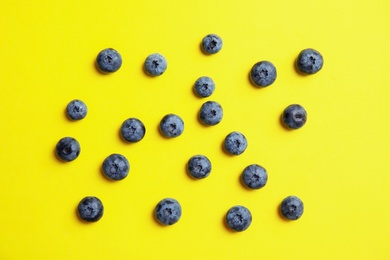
(168, 211)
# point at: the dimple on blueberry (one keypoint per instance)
(263, 74)
(199, 166)
(155, 64)
(294, 116)
(211, 44)
(116, 167)
(235, 143)
(254, 176)
(68, 149)
(204, 86)
(171, 126)
(133, 130)
(238, 218)
(309, 61)
(108, 60)
(76, 109)
(211, 113)
(292, 207)
(90, 209)
(168, 211)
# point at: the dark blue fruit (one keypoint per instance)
(292, 208)
(212, 44)
(263, 74)
(204, 86)
(238, 218)
(116, 167)
(199, 166)
(211, 113)
(90, 209)
(132, 130)
(309, 61)
(167, 211)
(254, 176)
(155, 64)
(76, 109)
(171, 126)
(235, 143)
(68, 149)
(109, 60)
(294, 116)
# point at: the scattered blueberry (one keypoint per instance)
(167, 211)
(263, 74)
(292, 208)
(90, 209)
(116, 167)
(238, 218)
(199, 166)
(76, 109)
(294, 116)
(235, 143)
(212, 44)
(155, 64)
(171, 126)
(132, 130)
(254, 176)
(204, 86)
(211, 113)
(309, 61)
(109, 60)
(68, 149)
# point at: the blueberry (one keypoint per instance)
(90, 209)
(167, 211)
(116, 167)
(171, 126)
(211, 44)
(309, 61)
(294, 116)
(254, 176)
(132, 130)
(204, 86)
(68, 149)
(76, 109)
(238, 218)
(155, 64)
(211, 113)
(199, 166)
(292, 208)
(235, 143)
(109, 60)
(263, 74)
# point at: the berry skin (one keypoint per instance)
(254, 176)
(294, 116)
(116, 167)
(168, 211)
(263, 74)
(238, 218)
(171, 126)
(292, 207)
(68, 149)
(235, 143)
(199, 167)
(133, 130)
(108, 60)
(309, 61)
(76, 109)
(204, 86)
(211, 113)
(212, 44)
(155, 64)
(90, 209)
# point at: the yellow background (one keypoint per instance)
(338, 163)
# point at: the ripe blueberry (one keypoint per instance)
(171, 126)
(108, 60)
(211, 113)
(294, 116)
(68, 149)
(238, 218)
(309, 61)
(292, 207)
(116, 167)
(254, 176)
(235, 143)
(155, 64)
(204, 86)
(199, 166)
(76, 109)
(90, 209)
(167, 211)
(263, 74)
(212, 44)
(132, 130)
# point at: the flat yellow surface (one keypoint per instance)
(338, 163)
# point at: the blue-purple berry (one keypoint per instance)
(199, 166)
(68, 149)
(108, 60)
(168, 211)
(211, 113)
(309, 61)
(211, 44)
(238, 218)
(263, 74)
(155, 64)
(90, 209)
(133, 130)
(292, 207)
(116, 167)
(235, 143)
(254, 176)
